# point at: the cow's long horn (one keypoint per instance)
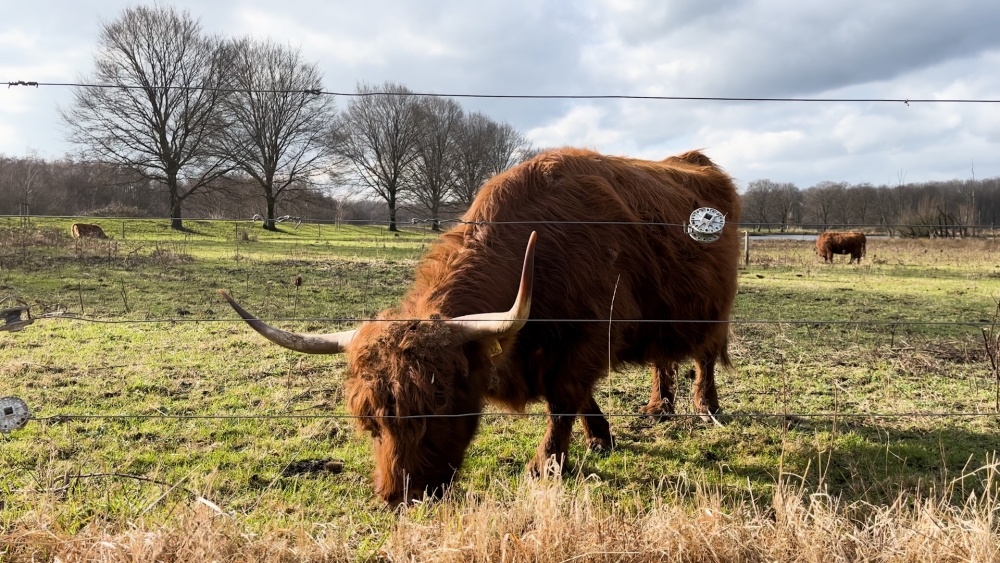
(483, 325)
(332, 343)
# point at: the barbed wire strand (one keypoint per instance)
(319, 92)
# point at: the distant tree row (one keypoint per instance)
(74, 187)
(194, 114)
(914, 209)
(35, 186)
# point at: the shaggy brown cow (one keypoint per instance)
(87, 230)
(831, 243)
(421, 373)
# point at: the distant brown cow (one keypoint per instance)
(421, 373)
(88, 230)
(829, 244)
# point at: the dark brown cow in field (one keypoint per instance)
(831, 243)
(421, 373)
(87, 230)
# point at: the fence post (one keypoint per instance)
(746, 248)
(123, 230)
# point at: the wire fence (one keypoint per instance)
(781, 395)
(320, 92)
(892, 323)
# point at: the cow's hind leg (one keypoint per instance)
(663, 393)
(596, 428)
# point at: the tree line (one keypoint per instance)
(192, 124)
(205, 120)
(951, 208)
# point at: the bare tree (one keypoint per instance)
(31, 177)
(434, 169)
(821, 202)
(504, 147)
(471, 169)
(862, 197)
(22, 183)
(486, 148)
(377, 137)
(531, 152)
(162, 111)
(276, 121)
(785, 202)
(758, 205)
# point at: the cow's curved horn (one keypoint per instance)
(483, 325)
(332, 343)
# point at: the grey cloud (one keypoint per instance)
(795, 48)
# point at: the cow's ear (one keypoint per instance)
(361, 403)
(492, 346)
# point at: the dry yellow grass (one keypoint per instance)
(548, 522)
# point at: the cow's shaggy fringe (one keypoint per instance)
(547, 521)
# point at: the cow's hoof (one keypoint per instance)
(546, 468)
(660, 411)
(601, 446)
(714, 418)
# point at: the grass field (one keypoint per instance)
(301, 485)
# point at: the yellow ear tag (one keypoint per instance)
(495, 348)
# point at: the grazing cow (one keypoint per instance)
(831, 243)
(87, 230)
(420, 373)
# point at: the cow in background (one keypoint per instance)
(87, 230)
(609, 240)
(831, 243)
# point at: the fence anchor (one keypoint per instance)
(11, 317)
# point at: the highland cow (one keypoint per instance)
(832, 243)
(87, 230)
(609, 243)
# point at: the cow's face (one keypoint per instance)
(410, 381)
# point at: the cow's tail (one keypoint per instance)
(724, 358)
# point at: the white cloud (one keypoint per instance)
(580, 127)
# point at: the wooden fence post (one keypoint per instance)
(746, 248)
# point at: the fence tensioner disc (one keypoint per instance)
(705, 224)
(14, 414)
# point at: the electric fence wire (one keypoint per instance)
(426, 221)
(320, 92)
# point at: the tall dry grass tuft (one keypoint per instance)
(197, 534)
(549, 521)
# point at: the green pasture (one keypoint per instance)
(181, 352)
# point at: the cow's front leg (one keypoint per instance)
(551, 453)
(706, 397)
(664, 389)
(596, 428)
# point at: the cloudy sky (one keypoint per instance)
(778, 48)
